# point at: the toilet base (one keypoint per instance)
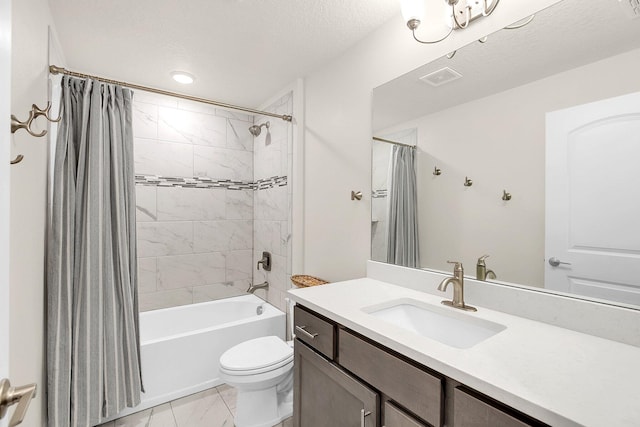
(262, 408)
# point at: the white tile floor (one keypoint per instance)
(211, 408)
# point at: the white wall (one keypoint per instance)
(338, 131)
(29, 85)
(501, 146)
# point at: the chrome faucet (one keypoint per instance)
(481, 269)
(253, 288)
(458, 288)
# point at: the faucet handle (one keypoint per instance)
(482, 258)
(458, 265)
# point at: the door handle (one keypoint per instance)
(363, 415)
(554, 262)
(11, 395)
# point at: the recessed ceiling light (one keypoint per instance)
(182, 77)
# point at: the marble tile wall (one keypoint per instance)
(273, 154)
(194, 244)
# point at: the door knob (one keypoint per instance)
(554, 262)
(11, 395)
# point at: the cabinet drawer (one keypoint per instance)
(395, 417)
(317, 332)
(474, 410)
(414, 388)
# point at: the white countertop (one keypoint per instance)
(561, 377)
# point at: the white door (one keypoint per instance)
(592, 221)
(5, 103)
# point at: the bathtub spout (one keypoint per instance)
(253, 288)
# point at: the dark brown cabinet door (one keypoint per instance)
(326, 396)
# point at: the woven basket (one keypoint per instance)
(303, 281)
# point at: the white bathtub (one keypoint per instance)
(181, 346)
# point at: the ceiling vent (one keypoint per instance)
(631, 8)
(442, 76)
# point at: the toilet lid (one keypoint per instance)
(257, 353)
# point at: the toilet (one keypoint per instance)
(261, 370)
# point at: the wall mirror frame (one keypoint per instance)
(487, 154)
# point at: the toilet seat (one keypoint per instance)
(256, 356)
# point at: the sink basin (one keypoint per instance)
(446, 325)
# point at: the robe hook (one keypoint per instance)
(33, 114)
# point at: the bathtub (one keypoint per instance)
(180, 347)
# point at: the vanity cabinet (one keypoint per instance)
(342, 379)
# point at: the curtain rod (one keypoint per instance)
(375, 138)
(60, 70)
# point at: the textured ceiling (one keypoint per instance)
(564, 36)
(241, 51)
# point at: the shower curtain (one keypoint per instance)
(402, 242)
(93, 351)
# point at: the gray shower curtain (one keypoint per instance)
(402, 242)
(93, 351)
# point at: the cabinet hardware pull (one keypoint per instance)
(303, 330)
(363, 414)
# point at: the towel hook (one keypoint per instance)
(506, 196)
(467, 182)
(18, 159)
(46, 112)
(16, 125)
(437, 171)
(35, 112)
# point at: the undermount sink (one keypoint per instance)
(445, 325)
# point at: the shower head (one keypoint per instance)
(256, 129)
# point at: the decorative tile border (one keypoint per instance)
(205, 182)
(379, 194)
(275, 181)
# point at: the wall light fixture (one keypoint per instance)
(460, 14)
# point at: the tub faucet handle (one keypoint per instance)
(265, 261)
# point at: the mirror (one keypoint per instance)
(527, 154)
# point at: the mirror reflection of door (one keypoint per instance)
(592, 231)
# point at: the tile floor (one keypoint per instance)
(211, 408)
